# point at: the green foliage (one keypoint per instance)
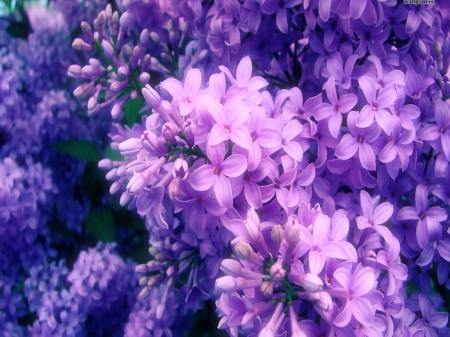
(101, 225)
(93, 183)
(8, 3)
(80, 149)
(111, 154)
(131, 109)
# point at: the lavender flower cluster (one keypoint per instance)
(289, 159)
(296, 152)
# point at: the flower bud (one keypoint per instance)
(226, 284)
(144, 78)
(108, 49)
(74, 71)
(325, 301)
(155, 37)
(143, 280)
(130, 147)
(86, 28)
(117, 110)
(92, 104)
(149, 141)
(117, 86)
(245, 252)
(145, 65)
(123, 72)
(115, 22)
(169, 131)
(141, 269)
(79, 44)
(267, 288)
(116, 187)
(180, 168)
(137, 183)
(202, 54)
(143, 39)
(89, 71)
(277, 271)
(276, 236)
(144, 292)
(189, 129)
(151, 97)
(112, 174)
(422, 48)
(134, 94)
(105, 164)
(174, 188)
(312, 283)
(125, 21)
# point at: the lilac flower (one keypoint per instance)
(428, 219)
(337, 107)
(441, 129)
(358, 140)
(207, 175)
(430, 318)
(374, 218)
(262, 135)
(377, 104)
(357, 287)
(272, 6)
(342, 73)
(390, 259)
(229, 125)
(189, 95)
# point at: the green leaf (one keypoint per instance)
(8, 3)
(131, 109)
(93, 183)
(140, 253)
(101, 225)
(111, 154)
(80, 149)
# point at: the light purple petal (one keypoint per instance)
(382, 213)
(241, 137)
(426, 256)
(422, 234)
(368, 88)
(269, 138)
(282, 22)
(291, 130)
(244, 71)
(218, 135)
(407, 213)
(386, 97)
(438, 319)
(429, 132)
(443, 248)
(384, 120)
(347, 102)
(366, 117)
(347, 147)
(366, 157)
(363, 282)
(412, 22)
(294, 150)
(362, 311)
(253, 194)
(203, 178)
(222, 190)
(388, 153)
(192, 82)
(344, 316)
(357, 8)
(234, 165)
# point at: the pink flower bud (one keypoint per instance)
(117, 86)
(155, 37)
(117, 110)
(108, 49)
(169, 131)
(74, 71)
(131, 147)
(180, 168)
(144, 78)
(245, 252)
(79, 44)
(86, 28)
(123, 72)
(277, 236)
(150, 141)
(141, 269)
(174, 188)
(277, 272)
(234, 268)
(134, 94)
(189, 130)
(312, 283)
(151, 97)
(143, 280)
(105, 164)
(125, 20)
(143, 39)
(325, 301)
(229, 284)
(115, 187)
(267, 288)
(111, 175)
(144, 292)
